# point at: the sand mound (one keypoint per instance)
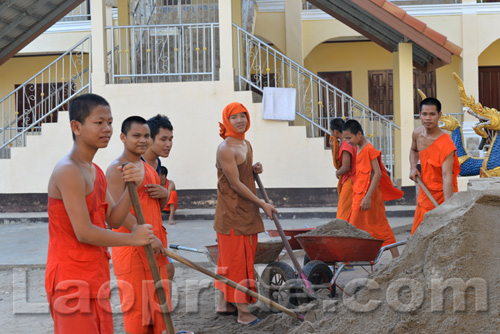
(338, 228)
(446, 281)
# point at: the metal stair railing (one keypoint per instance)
(259, 66)
(40, 98)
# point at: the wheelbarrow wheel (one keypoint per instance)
(318, 274)
(306, 260)
(273, 284)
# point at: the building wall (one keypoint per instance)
(290, 159)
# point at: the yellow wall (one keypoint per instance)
(446, 87)
(491, 56)
(54, 42)
(19, 69)
(358, 57)
(271, 26)
(317, 32)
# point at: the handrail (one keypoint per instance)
(317, 101)
(26, 107)
(46, 67)
(41, 119)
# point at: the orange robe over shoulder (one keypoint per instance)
(344, 205)
(139, 302)
(237, 222)
(172, 199)
(77, 274)
(373, 220)
(431, 162)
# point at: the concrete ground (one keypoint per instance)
(26, 243)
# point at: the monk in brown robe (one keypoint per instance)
(237, 217)
(438, 160)
(371, 188)
(344, 160)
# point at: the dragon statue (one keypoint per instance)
(487, 127)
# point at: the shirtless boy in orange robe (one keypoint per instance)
(77, 272)
(237, 217)
(171, 206)
(371, 188)
(161, 144)
(141, 311)
(438, 159)
(346, 168)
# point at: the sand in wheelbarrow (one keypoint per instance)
(447, 280)
(338, 228)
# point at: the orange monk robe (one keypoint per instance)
(139, 302)
(431, 162)
(172, 199)
(344, 205)
(373, 220)
(77, 274)
(240, 249)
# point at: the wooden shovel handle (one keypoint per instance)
(153, 266)
(235, 285)
(427, 192)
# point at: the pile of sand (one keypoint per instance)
(338, 228)
(446, 281)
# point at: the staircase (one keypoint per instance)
(259, 66)
(41, 97)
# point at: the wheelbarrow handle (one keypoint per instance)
(189, 249)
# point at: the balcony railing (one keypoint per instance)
(163, 53)
(80, 13)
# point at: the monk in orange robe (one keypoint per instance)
(171, 206)
(372, 187)
(438, 160)
(139, 302)
(77, 271)
(344, 160)
(237, 217)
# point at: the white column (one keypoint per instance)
(469, 66)
(98, 15)
(226, 40)
(403, 109)
(293, 30)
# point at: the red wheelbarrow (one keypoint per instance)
(331, 250)
(291, 233)
(275, 275)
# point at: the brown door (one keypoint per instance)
(381, 91)
(489, 86)
(426, 82)
(341, 80)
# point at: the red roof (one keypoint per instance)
(418, 25)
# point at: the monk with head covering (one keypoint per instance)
(371, 188)
(344, 160)
(438, 160)
(237, 217)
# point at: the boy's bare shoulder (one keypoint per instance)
(65, 172)
(112, 168)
